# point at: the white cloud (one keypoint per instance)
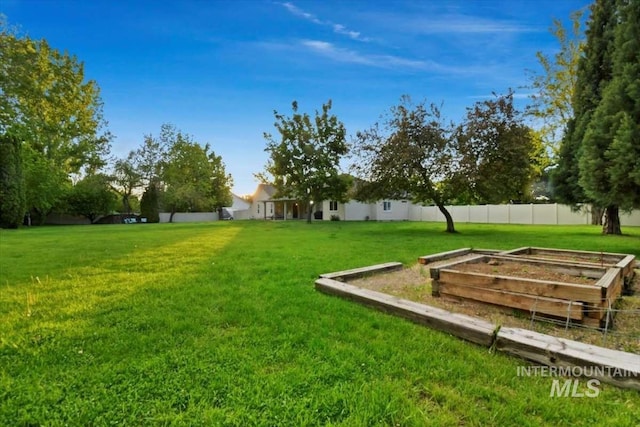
(339, 54)
(295, 10)
(337, 28)
(460, 24)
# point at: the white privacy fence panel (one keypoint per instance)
(189, 216)
(630, 219)
(553, 214)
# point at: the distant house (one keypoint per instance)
(266, 206)
(382, 210)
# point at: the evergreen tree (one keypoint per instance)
(610, 157)
(594, 72)
(149, 204)
(12, 192)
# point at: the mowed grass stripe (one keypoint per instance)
(218, 324)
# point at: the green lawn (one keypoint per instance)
(219, 324)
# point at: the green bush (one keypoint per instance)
(149, 204)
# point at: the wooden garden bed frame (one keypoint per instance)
(553, 298)
(530, 345)
(587, 304)
(625, 262)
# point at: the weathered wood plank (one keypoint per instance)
(434, 272)
(482, 251)
(525, 250)
(534, 287)
(627, 265)
(466, 327)
(620, 368)
(595, 311)
(595, 323)
(565, 267)
(550, 306)
(602, 256)
(607, 259)
(363, 271)
(614, 290)
(443, 255)
(610, 278)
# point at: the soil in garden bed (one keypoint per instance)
(576, 258)
(516, 269)
(414, 284)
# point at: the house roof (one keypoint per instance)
(270, 191)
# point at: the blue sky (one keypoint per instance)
(218, 69)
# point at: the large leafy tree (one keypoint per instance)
(409, 154)
(49, 104)
(610, 156)
(551, 101)
(12, 192)
(126, 179)
(148, 160)
(92, 197)
(500, 156)
(414, 153)
(194, 177)
(304, 160)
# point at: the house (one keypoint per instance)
(382, 210)
(266, 206)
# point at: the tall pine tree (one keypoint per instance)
(610, 157)
(594, 72)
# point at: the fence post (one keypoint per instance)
(532, 221)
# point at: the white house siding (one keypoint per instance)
(399, 211)
(328, 213)
(357, 211)
(257, 210)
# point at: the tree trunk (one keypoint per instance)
(611, 221)
(447, 215)
(309, 207)
(171, 216)
(126, 204)
(596, 215)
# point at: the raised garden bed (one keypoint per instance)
(398, 290)
(537, 280)
(625, 262)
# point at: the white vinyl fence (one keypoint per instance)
(514, 214)
(189, 216)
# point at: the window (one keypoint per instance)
(258, 205)
(271, 208)
(386, 206)
(333, 205)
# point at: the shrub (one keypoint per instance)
(149, 204)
